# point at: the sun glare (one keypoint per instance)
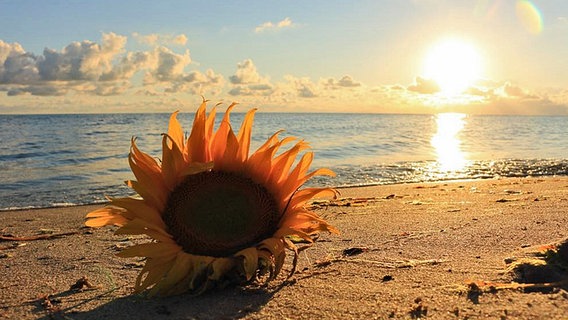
(454, 64)
(446, 142)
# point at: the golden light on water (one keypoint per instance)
(446, 142)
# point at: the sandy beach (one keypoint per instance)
(440, 250)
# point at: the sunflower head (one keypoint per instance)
(215, 214)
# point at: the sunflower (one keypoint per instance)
(215, 214)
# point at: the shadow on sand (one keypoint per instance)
(230, 303)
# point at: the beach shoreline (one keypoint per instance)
(405, 251)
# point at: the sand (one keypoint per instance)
(405, 251)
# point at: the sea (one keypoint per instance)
(75, 159)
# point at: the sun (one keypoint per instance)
(454, 64)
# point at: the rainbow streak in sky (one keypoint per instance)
(529, 16)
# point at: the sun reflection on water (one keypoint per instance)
(446, 142)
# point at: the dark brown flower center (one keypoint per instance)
(218, 213)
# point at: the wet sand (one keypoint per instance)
(428, 250)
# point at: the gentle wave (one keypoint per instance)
(429, 171)
(66, 160)
(84, 193)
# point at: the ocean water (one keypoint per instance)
(61, 160)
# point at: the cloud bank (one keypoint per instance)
(271, 26)
(164, 73)
(158, 39)
(104, 68)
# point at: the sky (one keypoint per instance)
(375, 56)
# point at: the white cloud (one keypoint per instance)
(9, 50)
(161, 75)
(345, 82)
(168, 64)
(150, 39)
(248, 82)
(154, 39)
(40, 90)
(111, 89)
(160, 64)
(196, 82)
(303, 87)
(264, 26)
(180, 39)
(129, 64)
(84, 60)
(103, 69)
(285, 23)
(529, 106)
(510, 90)
(252, 90)
(491, 97)
(16, 66)
(424, 86)
(56, 73)
(246, 73)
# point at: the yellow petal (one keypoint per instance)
(151, 250)
(180, 269)
(260, 165)
(270, 142)
(229, 161)
(300, 220)
(225, 144)
(147, 171)
(276, 247)
(219, 141)
(175, 132)
(139, 226)
(172, 162)
(219, 267)
(298, 176)
(279, 258)
(140, 209)
(154, 270)
(196, 167)
(306, 221)
(103, 212)
(116, 220)
(195, 279)
(143, 159)
(307, 194)
(210, 124)
(150, 198)
(317, 172)
(250, 261)
(287, 231)
(272, 244)
(245, 135)
(283, 162)
(196, 143)
(292, 183)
